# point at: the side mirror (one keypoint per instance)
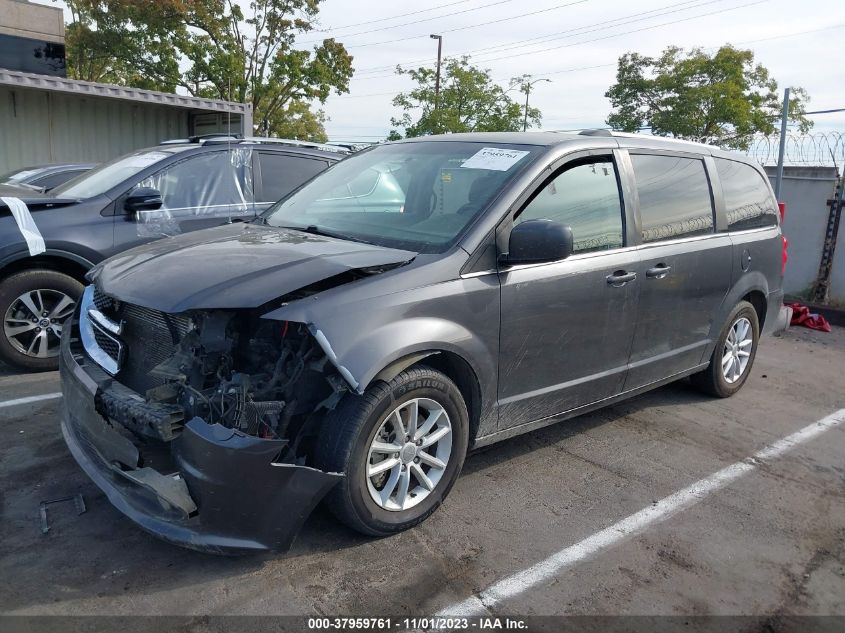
(537, 241)
(143, 199)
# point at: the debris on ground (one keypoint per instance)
(802, 316)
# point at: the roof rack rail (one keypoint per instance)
(200, 138)
(619, 134)
(596, 132)
(263, 140)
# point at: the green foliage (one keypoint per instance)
(242, 52)
(124, 42)
(470, 101)
(723, 99)
(298, 121)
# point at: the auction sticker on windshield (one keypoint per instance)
(494, 158)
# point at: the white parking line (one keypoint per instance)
(28, 399)
(546, 569)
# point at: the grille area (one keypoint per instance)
(106, 343)
(148, 336)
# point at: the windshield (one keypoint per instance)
(416, 196)
(15, 177)
(97, 181)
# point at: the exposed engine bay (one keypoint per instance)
(267, 379)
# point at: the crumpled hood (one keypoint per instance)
(232, 266)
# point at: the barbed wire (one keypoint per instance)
(825, 149)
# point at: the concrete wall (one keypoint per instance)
(806, 190)
(36, 21)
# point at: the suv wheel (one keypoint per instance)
(33, 305)
(733, 355)
(401, 446)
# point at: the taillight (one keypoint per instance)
(784, 256)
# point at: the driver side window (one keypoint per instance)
(585, 196)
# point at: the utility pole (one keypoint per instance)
(439, 39)
(782, 147)
(526, 86)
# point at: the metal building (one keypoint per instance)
(46, 119)
(32, 38)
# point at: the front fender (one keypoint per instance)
(21, 254)
(363, 335)
(370, 353)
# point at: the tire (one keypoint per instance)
(53, 290)
(713, 380)
(345, 445)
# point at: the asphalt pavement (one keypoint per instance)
(612, 513)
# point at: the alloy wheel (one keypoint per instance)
(409, 454)
(33, 322)
(737, 351)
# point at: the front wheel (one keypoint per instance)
(401, 446)
(34, 304)
(733, 356)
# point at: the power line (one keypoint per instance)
(396, 26)
(646, 28)
(550, 37)
(471, 26)
(392, 17)
(598, 39)
(577, 68)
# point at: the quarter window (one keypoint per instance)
(281, 174)
(586, 197)
(748, 200)
(674, 195)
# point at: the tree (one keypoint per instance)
(253, 58)
(299, 121)
(243, 52)
(723, 99)
(470, 101)
(123, 42)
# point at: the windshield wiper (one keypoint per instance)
(313, 229)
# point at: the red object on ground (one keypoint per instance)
(801, 315)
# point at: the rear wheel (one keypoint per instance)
(34, 305)
(733, 356)
(401, 446)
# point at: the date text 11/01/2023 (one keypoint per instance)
(416, 624)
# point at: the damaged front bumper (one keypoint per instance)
(211, 488)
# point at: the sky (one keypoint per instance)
(576, 44)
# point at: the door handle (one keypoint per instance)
(620, 278)
(658, 272)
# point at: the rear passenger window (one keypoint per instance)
(281, 174)
(674, 197)
(586, 197)
(748, 201)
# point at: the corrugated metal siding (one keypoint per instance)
(37, 126)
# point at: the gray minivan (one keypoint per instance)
(353, 342)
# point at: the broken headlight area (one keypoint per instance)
(266, 379)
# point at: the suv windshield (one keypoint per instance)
(418, 196)
(15, 177)
(97, 181)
